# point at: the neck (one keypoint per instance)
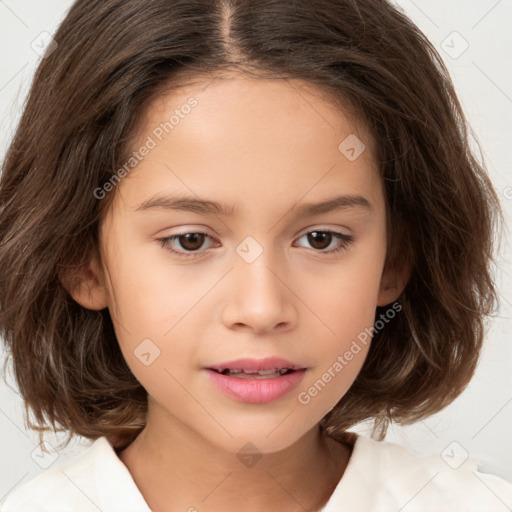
(176, 469)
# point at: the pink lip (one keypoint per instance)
(257, 390)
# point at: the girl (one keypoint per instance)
(230, 231)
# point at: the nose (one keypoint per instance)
(259, 298)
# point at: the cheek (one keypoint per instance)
(151, 294)
(345, 296)
(342, 348)
(346, 304)
(156, 306)
(342, 339)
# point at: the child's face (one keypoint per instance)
(260, 286)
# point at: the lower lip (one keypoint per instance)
(256, 391)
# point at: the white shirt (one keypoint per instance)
(379, 477)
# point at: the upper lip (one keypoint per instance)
(255, 365)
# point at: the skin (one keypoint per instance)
(263, 146)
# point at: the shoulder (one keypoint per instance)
(86, 483)
(64, 483)
(393, 477)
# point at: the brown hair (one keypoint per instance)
(84, 106)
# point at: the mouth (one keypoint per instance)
(248, 368)
(241, 373)
(256, 381)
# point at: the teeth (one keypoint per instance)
(240, 373)
(264, 372)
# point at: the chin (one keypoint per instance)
(268, 434)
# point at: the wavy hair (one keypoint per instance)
(86, 101)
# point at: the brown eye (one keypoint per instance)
(190, 244)
(321, 240)
(186, 244)
(191, 241)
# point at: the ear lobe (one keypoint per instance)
(85, 285)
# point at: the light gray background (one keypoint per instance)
(478, 422)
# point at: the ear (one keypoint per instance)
(393, 282)
(85, 285)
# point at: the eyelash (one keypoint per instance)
(346, 240)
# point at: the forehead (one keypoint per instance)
(281, 97)
(250, 137)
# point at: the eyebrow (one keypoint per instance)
(207, 207)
